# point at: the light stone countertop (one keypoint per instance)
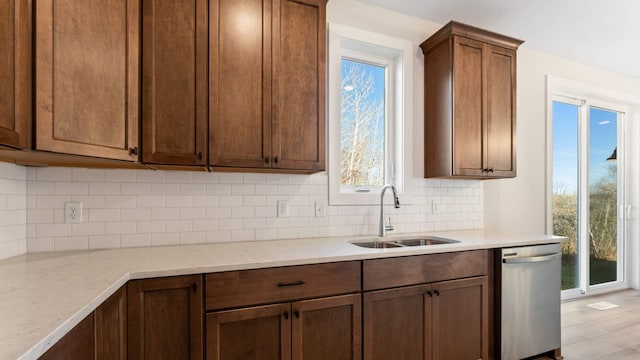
(44, 295)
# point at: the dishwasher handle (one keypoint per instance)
(532, 259)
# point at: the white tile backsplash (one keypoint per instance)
(131, 208)
(13, 210)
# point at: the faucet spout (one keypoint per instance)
(396, 203)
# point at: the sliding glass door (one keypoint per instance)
(588, 194)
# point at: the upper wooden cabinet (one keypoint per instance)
(267, 84)
(87, 77)
(174, 82)
(15, 72)
(470, 103)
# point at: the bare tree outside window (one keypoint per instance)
(362, 126)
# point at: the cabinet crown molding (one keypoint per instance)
(471, 32)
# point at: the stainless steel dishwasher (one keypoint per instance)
(530, 300)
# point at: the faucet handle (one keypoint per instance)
(389, 227)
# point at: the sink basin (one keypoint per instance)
(377, 244)
(422, 241)
(425, 241)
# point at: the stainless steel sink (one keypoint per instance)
(424, 241)
(377, 245)
(421, 241)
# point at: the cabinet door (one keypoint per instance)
(87, 77)
(174, 85)
(501, 111)
(78, 344)
(299, 56)
(165, 318)
(327, 328)
(15, 72)
(469, 130)
(256, 333)
(460, 319)
(240, 83)
(111, 327)
(395, 324)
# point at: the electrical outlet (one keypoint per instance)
(319, 205)
(73, 212)
(283, 208)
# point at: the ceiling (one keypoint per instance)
(601, 33)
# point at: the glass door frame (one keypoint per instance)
(622, 211)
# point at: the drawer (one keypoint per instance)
(262, 286)
(412, 270)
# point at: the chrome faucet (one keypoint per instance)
(396, 203)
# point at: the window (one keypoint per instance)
(368, 114)
(363, 125)
(587, 189)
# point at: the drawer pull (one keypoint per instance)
(297, 283)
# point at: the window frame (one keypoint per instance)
(397, 56)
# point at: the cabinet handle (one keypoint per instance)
(195, 287)
(297, 283)
(490, 170)
(275, 159)
(266, 159)
(429, 293)
(437, 292)
(286, 315)
(133, 151)
(200, 155)
(297, 314)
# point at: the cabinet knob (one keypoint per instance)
(490, 169)
(297, 314)
(286, 315)
(437, 292)
(266, 159)
(133, 151)
(200, 155)
(275, 159)
(430, 293)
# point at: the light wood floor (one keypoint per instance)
(593, 334)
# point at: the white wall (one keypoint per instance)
(13, 213)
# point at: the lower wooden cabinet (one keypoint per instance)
(165, 318)
(460, 319)
(78, 344)
(395, 323)
(325, 328)
(292, 313)
(111, 327)
(443, 320)
(101, 335)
